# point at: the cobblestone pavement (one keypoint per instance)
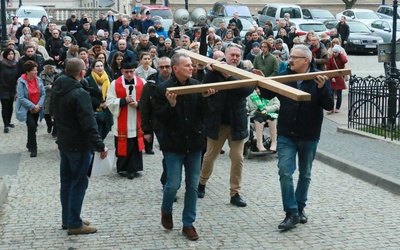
(344, 212)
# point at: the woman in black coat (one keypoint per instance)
(8, 85)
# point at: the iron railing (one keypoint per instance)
(374, 106)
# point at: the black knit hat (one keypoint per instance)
(128, 64)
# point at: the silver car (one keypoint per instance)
(384, 29)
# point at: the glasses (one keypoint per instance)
(164, 67)
(234, 45)
(296, 57)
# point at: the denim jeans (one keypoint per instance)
(338, 98)
(74, 182)
(287, 150)
(174, 162)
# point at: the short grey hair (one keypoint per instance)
(176, 58)
(305, 50)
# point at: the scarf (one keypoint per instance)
(314, 52)
(103, 81)
(12, 63)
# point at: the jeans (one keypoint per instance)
(287, 150)
(174, 162)
(338, 98)
(32, 123)
(74, 182)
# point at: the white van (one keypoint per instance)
(33, 13)
(274, 12)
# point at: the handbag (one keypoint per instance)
(346, 77)
(100, 116)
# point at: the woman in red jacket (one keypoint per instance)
(337, 61)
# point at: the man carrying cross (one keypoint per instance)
(227, 120)
(299, 128)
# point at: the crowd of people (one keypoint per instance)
(89, 78)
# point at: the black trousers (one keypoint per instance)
(7, 110)
(32, 123)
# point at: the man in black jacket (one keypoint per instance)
(182, 118)
(147, 107)
(226, 120)
(77, 138)
(299, 128)
(30, 54)
(343, 30)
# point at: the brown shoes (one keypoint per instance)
(82, 230)
(190, 233)
(85, 223)
(166, 220)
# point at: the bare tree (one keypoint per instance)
(349, 3)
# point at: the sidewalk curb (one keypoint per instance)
(3, 191)
(353, 131)
(368, 175)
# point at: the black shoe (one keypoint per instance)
(303, 216)
(123, 174)
(6, 130)
(131, 176)
(222, 152)
(289, 222)
(201, 191)
(176, 199)
(49, 128)
(238, 201)
(33, 153)
(11, 125)
(149, 152)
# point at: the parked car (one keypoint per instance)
(218, 20)
(158, 12)
(363, 15)
(384, 29)
(274, 12)
(303, 26)
(385, 11)
(361, 39)
(318, 14)
(33, 13)
(227, 9)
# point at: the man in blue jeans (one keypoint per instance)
(77, 137)
(299, 129)
(182, 141)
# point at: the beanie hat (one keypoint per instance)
(255, 44)
(100, 32)
(336, 48)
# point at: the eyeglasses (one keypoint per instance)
(296, 57)
(164, 67)
(234, 45)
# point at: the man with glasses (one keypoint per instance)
(299, 128)
(76, 138)
(226, 120)
(147, 105)
(123, 99)
(319, 53)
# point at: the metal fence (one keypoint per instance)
(374, 106)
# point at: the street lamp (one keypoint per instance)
(3, 24)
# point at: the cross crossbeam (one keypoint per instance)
(274, 83)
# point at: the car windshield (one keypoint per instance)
(367, 15)
(322, 14)
(356, 27)
(165, 14)
(31, 13)
(312, 26)
(294, 12)
(241, 9)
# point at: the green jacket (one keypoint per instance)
(268, 65)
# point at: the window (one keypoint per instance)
(294, 12)
(271, 11)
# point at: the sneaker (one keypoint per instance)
(166, 220)
(82, 230)
(238, 201)
(85, 222)
(201, 191)
(190, 233)
(290, 221)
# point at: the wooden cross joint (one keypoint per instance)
(274, 83)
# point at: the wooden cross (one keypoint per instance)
(249, 79)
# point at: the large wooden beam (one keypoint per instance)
(183, 90)
(249, 79)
